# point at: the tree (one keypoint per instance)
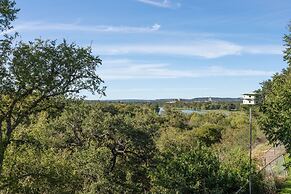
(193, 171)
(209, 134)
(37, 75)
(111, 151)
(276, 102)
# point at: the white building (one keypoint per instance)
(249, 98)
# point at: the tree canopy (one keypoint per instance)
(276, 102)
(35, 76)
(53, 141)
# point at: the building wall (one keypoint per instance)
(249, 97)
(249, 101)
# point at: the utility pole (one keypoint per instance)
(251, 138)
(250, 99)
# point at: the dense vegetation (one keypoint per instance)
(52, 141)
(38, 76)
(276, 102)
(118, 148)
(214, 105)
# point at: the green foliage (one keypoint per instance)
(129, 138)
(115, 148)
(38, 76)
(194, 171)
(96, 149)
(212, 117)
(175, 119)
(235, 173)
(285, 188)
(174, 140)
(196, 120)
(32, 166)
(229, 106)
(50, 143)
(276, 103)
(199, 170)
(8, 14)
(209, 134)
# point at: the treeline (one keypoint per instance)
(231, 106)
(118, 148)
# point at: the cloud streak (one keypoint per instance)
(160, 3)
(201, 48)
(44, 26)
(126, 69)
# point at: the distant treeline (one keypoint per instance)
(167, 100)
(231, 106)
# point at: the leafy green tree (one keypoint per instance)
(196, 120)
(209, 134)
(88, 148)
(33, 165)
(216, 118)
(276, 102)
(193, 171)
(235, 133)
(129, 138)
(234, 174)
(112, 151)
(37, 75)
(174, 118)
(174, 140)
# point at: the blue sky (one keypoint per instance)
(168, 48)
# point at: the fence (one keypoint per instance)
(274, 165)
(273, 162)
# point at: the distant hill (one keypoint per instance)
(199, 99)
(216, 99)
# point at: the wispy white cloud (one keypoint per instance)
(126, 69)
(201, 48)
(263, 49)
(44, 26)
(161, 3)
